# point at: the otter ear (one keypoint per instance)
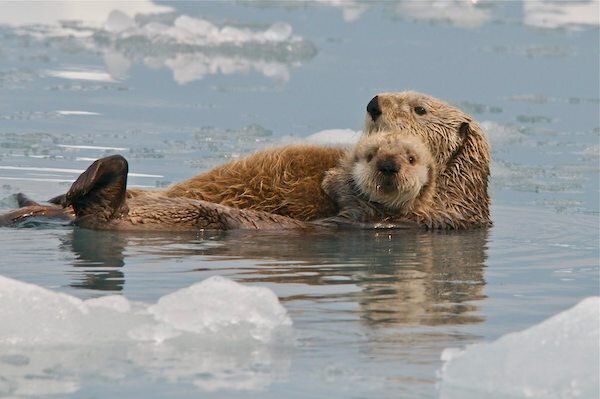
(464, 130)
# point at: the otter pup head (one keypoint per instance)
(395, 171)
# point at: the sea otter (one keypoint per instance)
(456, 142)
(458, 146)
(383, 177)
(262, 182)
(396, 172)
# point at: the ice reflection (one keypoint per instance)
(191, 48)
(550, 14)
(461, 13)
(53, 16)
(561, 14)
(395, 277)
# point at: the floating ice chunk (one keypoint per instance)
(215, 334)
(90, 13)
(555, 14)
(335, 136)
(81, 74)
(500, 135)
(216, 307)
(592, 151)
(558, 358)
(201, 32)
(223, 308)
(278, 32)
(118, 21)
(461, 13)
(72, 112)
(32, 315)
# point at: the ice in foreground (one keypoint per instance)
(558, 358)
(214, 334)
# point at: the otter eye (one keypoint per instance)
(411, 160)
(369, 157)
(420, 111)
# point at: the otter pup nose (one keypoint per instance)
(373, 108)
(387, 166)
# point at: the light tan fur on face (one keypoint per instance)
(366, 190)
(401, 190)
(459, 148)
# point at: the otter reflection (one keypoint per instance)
(404, 277)
(97, 249)
(395, 277)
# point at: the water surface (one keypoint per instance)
(371, 310)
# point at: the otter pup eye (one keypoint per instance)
(420, 110)
(411, 160)
(369, 157)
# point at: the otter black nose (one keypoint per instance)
(387, 166)
(373, 108)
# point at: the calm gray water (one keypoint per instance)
(371, 310)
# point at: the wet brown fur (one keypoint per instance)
(357, 184)
(100, 202)
(287, 181)
(456, 142)
(459, 148)
(284, 181)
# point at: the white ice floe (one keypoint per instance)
(214, 334)
(194, 47)
(462, 13)
(501, 135)
(66, 112)
(216, 307)
(196, 31)
(334, 136)
(87, 74)
(561, 14)
(558, 358)
(86, 13)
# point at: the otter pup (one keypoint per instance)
(383, 176)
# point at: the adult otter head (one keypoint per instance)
(457, 144)
(395, 171)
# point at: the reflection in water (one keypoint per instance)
(190, 47)
(193, 48)
(561, 14)
(97, 249)
(404, 277)
(461, 13)
(395, 277)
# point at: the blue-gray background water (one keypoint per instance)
(372, 311)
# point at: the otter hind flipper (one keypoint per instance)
(23, 200)
(98, 194)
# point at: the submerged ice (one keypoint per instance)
(213, 334)
(558, 358)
